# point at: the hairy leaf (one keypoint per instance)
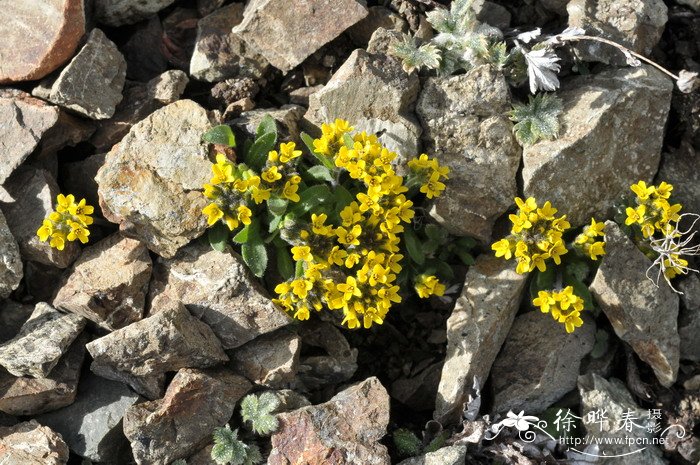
(218, 236)
(407, 443)
(414, 56)
(221, 134)
(542, 69)
(257, 411)
(257, 154)
(538, 119)
(267, 125)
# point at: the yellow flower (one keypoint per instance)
(58, 240)
(663, 190)
(301, 287)
(352, 260)
(526, 206)
(244, 214)
(260, 195)
(571, 321)
(433, 188)
(271, 175)
(287, 152)
(544, 300)
(337, 256)
(635, 215)
(213, 213)
(289, 191)
(231, 222)
(370, 316)
(82, 210)
(78, 231)
(596, 249)
(302, 252)
(349, 237)
(223, 170)
(349, 289)
(429, 285)
(45, 230)
(504, 248)
(318, 225)
(643, 192)
(302, 313)
(547, 212)
(351, 320)
(64, 202)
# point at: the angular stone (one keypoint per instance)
(22, 396)
(92, 425)
(611, 396)
(11, 270)
(450, 455)
(108, 283)
(219, 53)
(270, 360)
(41, 342)
(287, 118)
(219, 289)
(539, 363)
(465, 126)
(29, 443)
(378, 16)
(479, 324)
(636, 24)
(141, 353)
(167, 88)
(150, 181)
(419, 391)
(35, 194)
(119, 12)
(145, 59)
(176, 426)
(24, 121)
(92, 82)
(338, 366)
(689, 318)
(38, 37)
(273, 27)
(12, 316)
(642, 314)
(600, 137)
(344, 430)
(376, 95)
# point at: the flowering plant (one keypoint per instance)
(68, 222)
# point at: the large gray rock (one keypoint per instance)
(611, 396)
(92, 425)
(11, 271)
(374, 94)
(287, 33)
(176, 426)
(219, 53)
(29, 443)
(689, 318)
(219, 289)
(26, 395)
(38, 37)
(271, 360)
(331, 362)
(642, 314)
(35, 194)
(120, 12)
(600, 137)
(108, 283)
(465, 126)
(92, 82)
(41, 342)
(150, 181)
(539, 363)
(344, 430)
(141, 353)
(476, 330)
(450, 455)
(636, 24)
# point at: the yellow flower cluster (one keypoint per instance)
(427, 285)
(429, 174)
(536, 236)
(564, 306)
(233, 189)
(587, 242)
(354, 265)
(69, 222)
(653, 213)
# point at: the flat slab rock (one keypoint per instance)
(271, 360)
(219, 289)
(11, 270)
(141, 353)
(38, 37)
(150, 183)
(41, 342)
(108, 283)
(344, 430)
(642, 314)
(29, 443)
(196, 403)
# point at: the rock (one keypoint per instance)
(301, 95)
(272, 28)
(493, 14)
(219, 289)
(539, 363)
(316, 371)
(271, 360)
(11, 271)
(119, 12)
(92, 425)
(376, 95)
(41, 342)
(142, 51)
(476, 330)
(598, 394)
(378, 16)
(689, 318)
(679, 169)
(287, 118)
(12, 316)
(29, 443)
(31, 396)
(600, 137)
(465, 125)
(694, 4)
(636, 24)
(290, 400)
(219, 53)
(141, 353)
(41, 281)
(183, 421)
(168, 87)
(108, 283)
(344, 430)
(450, 455)
(206, 7)
(35, 194)
(38, 37)
(642, 314)
(382, 40)
(419, 391)
(80, 175)
(556, 6)
(233, 90)
(24, 122)
(92, 82)
(150, 182)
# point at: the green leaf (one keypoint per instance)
(343, 198)
(579, 269)
(348, 140)
(242, 236)
(275, 223)
(413, 246)
(537, 119)
(443, 270)
(299, 269)
(310, 198)
(430, 246)
(285, 264)
(221, 134)
(580, 290)
(436, 233)
(320, 173)
(218, 236)
(542, 281)
(277, 206)
(309, 142)
(267, 125)
(465, 257)
(466, 242)
(407, 443)
(255, 256)
(257, 154)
